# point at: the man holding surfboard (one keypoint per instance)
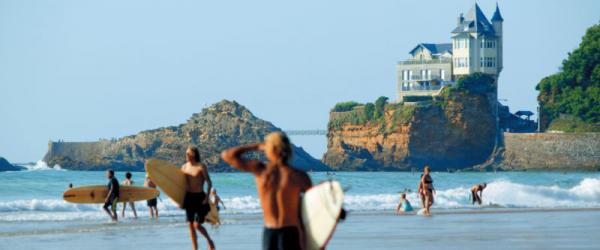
(279, 188)
(195, 201)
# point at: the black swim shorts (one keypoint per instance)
(195, 209)
(285, 238)
(151, 202)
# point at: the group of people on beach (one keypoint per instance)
(279, 188)
(426, 192)
(112, 197)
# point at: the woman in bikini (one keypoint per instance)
(426, 189)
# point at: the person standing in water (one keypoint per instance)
(216, 199)
(279, 187)
(426, 190)
(152, 202)
(112, 197)
(195, 202)
(128, 182)
(478, 189)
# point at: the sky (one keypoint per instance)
(83, 70)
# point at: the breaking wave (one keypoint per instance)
(42, 166)
(499, 193)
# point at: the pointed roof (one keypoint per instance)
(475, 22)
(434, 48)
(497, 16)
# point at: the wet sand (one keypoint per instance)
(520, 229)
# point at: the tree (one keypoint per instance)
(369, 111)
(575, 90)
(380, 107)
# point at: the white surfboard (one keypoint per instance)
(321, 209)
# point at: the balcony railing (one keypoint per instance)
(432, 61)
(426, 87)
(424, 78)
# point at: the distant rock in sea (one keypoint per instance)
(6, 166)
(220, 126)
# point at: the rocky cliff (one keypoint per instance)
(6, 166)
(453, 131)
(220, 126)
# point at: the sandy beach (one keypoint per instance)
(524, 229)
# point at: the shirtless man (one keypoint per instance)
(195, 202)
(128, 182)
(478, 189)
(279, 188)
(152, 202)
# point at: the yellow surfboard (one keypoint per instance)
(97, 193)
(171, 180)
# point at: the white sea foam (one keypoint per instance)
(501, 193)
(41, 165)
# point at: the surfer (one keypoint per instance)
(152, 202)
(478, 189)
(216, 199)
(128, 182)
(195, 202)
(404, 205)
(113, 195)
(279, 187)
(426, 190)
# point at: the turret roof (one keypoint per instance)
(475, 22)
(497, 16)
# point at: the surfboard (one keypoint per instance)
(97, 193)
(171, 180)
(321, 208)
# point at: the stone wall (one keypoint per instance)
(551, 151)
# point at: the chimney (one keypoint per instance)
(460, 19)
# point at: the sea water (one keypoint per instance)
(31, 201)
(36, 194)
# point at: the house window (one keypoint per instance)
(428, 74)
(442, 74)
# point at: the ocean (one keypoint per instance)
(32, 209)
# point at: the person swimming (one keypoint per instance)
(478, 188)
(404, 205)
(279, 188)
(195, 201)
(128, 182)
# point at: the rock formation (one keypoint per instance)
(454, 132)
(6, 166)
(220, 126)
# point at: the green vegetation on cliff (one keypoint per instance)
(370, 113)
(570, 99)
(355, 113)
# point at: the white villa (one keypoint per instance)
(476, 47)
